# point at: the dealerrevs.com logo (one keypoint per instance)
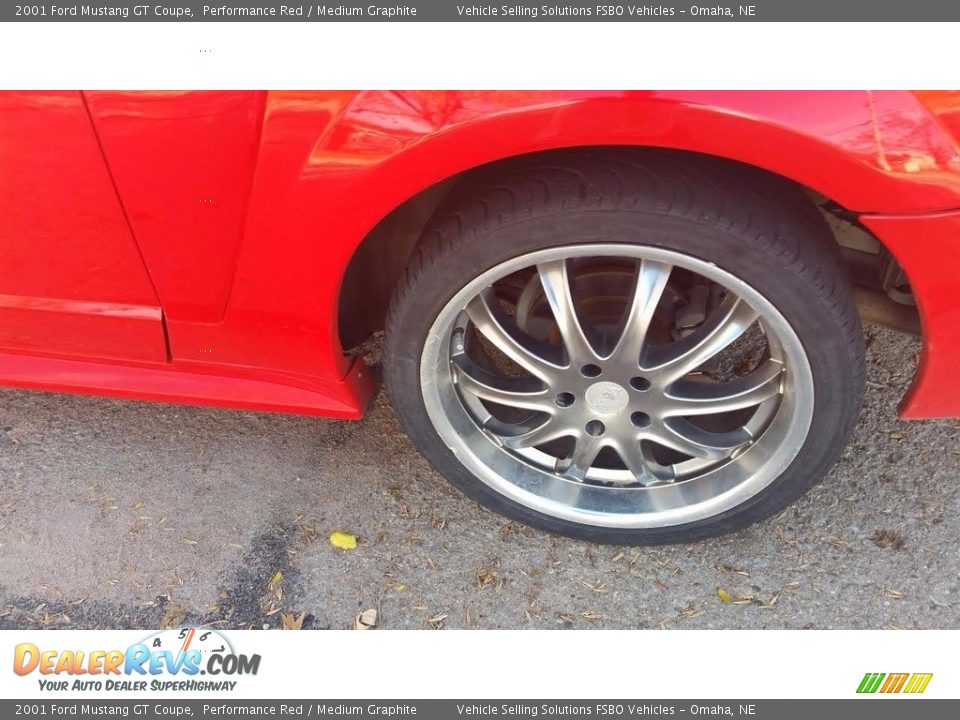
(892, 683)
(170, 660)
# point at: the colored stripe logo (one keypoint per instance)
(913, 683)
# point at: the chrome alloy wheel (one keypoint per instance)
(617, 385)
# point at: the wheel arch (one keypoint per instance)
(868, 153)
(380, 258)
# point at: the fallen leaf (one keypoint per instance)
(275, 580)
(291, 621)
(367, 620)
(174, 615)
(888, 539)
(343, 540)
(485, 577)
(724, 596)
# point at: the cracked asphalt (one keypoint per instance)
(120, 514)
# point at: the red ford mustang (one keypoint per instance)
(623, 316)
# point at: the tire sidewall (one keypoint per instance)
(753, 258)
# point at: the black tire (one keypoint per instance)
(761, 229)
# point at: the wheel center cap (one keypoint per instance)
(606, 398)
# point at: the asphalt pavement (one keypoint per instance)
(119, 514)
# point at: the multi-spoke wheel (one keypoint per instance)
(628, 371)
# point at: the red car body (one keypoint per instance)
(192, 246)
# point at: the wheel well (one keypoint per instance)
(381, 257)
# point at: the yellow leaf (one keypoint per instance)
(138, 505)
(275, 580)
(343, 540)
(291, 621)
(724, 596)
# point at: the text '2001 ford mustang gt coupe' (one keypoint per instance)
(622, 316)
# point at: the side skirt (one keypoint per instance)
(194, 383)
